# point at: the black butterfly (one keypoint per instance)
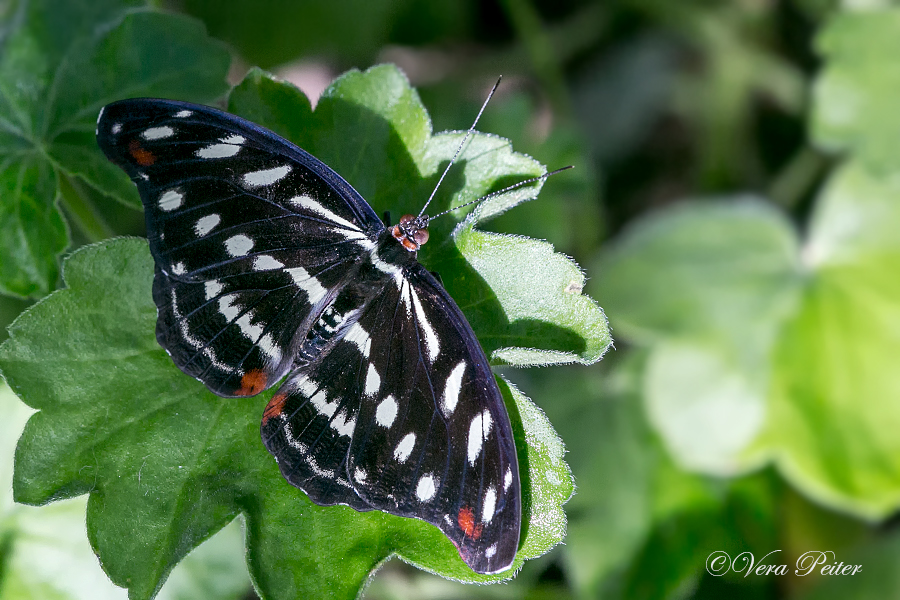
(269, 264)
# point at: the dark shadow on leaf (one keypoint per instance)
(518, 429)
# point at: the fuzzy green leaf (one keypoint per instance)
(167, 463)
(45, 554)
(59, 64)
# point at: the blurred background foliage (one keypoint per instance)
(735, 204)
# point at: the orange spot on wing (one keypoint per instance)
(275, 407)
(466, 520)
(143, 157)
(252, 383)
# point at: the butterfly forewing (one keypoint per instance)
(268, 263)
(251, 236)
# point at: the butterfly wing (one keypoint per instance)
(250, 235)
(404, 415)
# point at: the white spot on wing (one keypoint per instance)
(386, 412)
(218, 151)
(178, 269)
(491, 551)
(316, 207)
(360, 337)
(479, 430)
(268, 345)
(359, 475)
(195, 342)
(306, 386)
(453, 387)
(432, 345)
(264, 262)
(405, 447)
(320, 401)
(392, 270)
(307, 283)
(184, 113)
(238, 245)
(373, 381)
(426, 488)
(206, 224)
(228, 310)
(490, 504)
(266, 176)
(213, 289)
(158, 133)
(250, 330)
(170, 200)
(507, 479)
(343, 424)
(116, 128)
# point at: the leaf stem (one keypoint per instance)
(82, 212)
(793, 182)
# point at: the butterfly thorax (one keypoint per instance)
(411, 231)
(382, 266)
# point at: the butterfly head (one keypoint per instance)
(411, 231)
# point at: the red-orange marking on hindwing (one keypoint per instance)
(275, 407)
(252, 383)
(466, 520)
(143, 157)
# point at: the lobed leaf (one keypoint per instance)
(59, 64)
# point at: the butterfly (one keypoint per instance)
(269, 265)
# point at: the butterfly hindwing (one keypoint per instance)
(408, 416)
(250, 235)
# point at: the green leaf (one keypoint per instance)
(833, 400)
(854, 106)
(539, 297)
(706, 287)
(761, 350)
(59, 64)
(33, 230)
(167, 463)
(639, 527)
(729, 269)
(45, 554)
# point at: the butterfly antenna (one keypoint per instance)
(503, 191)
(461, 144)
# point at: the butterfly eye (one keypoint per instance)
(421, 236)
